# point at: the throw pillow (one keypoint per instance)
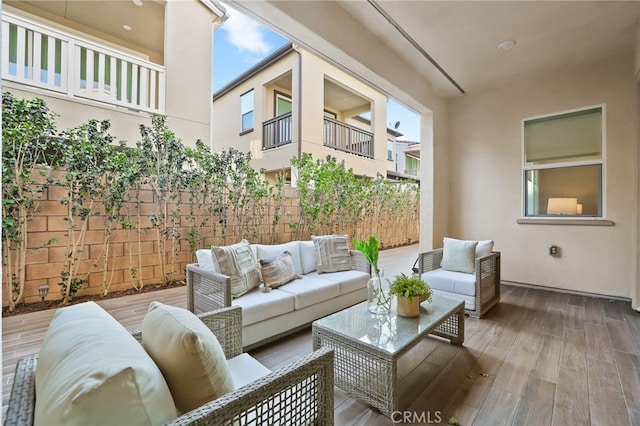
(484, 248)
(278, 270)
(237, 262)
(188, 354)
(332, 253)
(91, 370)
(459, 255)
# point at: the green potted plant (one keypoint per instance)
(410, 291)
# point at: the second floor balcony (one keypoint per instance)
(37, 55)
(337, 135)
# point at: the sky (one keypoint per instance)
(241, 43)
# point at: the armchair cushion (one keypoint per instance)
(459, 255)
(484, 248)
(237, 262)
(188, 354)
(332, 253)
(91, 370)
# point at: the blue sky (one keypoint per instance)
(241, 43)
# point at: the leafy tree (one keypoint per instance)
(28, 131)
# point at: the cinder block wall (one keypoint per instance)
(128, 248)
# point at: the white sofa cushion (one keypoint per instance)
(188, 354)
(264, 251)
(310, 290)
(258, 305)
(91, 370)
(245, 369)
(237, 261)
(348, 281)
(454, 282)
(205, 260)
(332, 253)
(469, 301)
(308, 259)
(484, 248)
(459, 255)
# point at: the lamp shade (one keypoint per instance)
(562, 206)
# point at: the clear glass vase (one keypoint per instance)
(379, 299)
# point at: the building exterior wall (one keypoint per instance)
(308, 73)
(187, 66)
(486, 179)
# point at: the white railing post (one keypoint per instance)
(141, 82)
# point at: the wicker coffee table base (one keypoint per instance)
(369, 373)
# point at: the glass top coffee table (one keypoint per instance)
(367, 346)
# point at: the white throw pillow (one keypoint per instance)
(92, 371)
(484, 248)
(188, 354)
(332, 253)
(459, 255)
(308, 257)
(237, 262)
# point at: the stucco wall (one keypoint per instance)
(486, 178)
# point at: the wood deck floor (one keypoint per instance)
(539, 358)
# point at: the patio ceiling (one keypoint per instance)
(453, 45)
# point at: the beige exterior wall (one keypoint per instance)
(486, 179)
(307, 85)
(188, 50)
(226, 121)
(188, 43)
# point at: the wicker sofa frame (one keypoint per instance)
(299, 393)
(487, 272)
(208, 291)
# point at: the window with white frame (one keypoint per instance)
(390, 149)
(246, 111)
(564, 160)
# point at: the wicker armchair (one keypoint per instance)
(487, 279)
(300, 393)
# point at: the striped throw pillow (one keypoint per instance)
(332, 253)
(237, 262)
(278, 270)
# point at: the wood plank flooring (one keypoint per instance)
(538, 358)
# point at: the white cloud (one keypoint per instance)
(243, 33)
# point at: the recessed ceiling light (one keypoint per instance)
(126, 27)
(507, 45)
(137, 2)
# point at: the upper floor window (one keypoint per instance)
(564, 164)
(246, 111)
(389, 149)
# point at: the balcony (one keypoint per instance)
(276, 132)
(412, 172)
(40, 56)
(346, 138)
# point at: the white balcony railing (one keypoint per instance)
(41, 56)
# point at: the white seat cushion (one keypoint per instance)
(259, 306)
(310, 290)
(348, 281)
(264, 251)
(469, 301)
(91, 370)
(245, 369)
(453, 282)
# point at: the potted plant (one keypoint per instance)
(379, 299)
(410, 291)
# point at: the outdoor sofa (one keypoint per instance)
(328, 278)
(92, 371)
